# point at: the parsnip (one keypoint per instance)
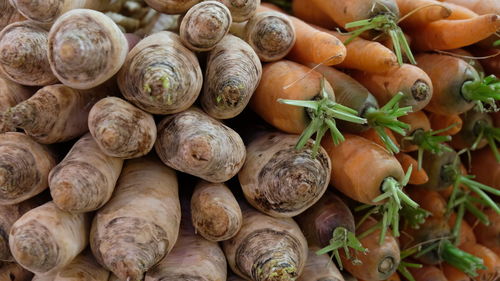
(9, 14)
(140, 224)
(120, 129)
(194, 143)
(24, 167)
(46, 239)
(319, 268)
(241, 10)
(171, 6)
(85, 178)
(14, 272)
(83, 268)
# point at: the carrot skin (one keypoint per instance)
(490, 260)
(309, 12)
(424, 15)
(453, 274)
(428, 273)
(417, 176)
(439, 122)
(488, 235)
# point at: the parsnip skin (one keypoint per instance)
(9, 14)
(160, 75)
(23, 54)
(195, 143)
(319, 268)
(46, 239)
(241, 10)
(50, 277)
(14, 272)
(140, 224)
(86, 48)
(216, 214)
(12, 93)
(281, 181)
(85, 179)
(55, 113)
(232, 75)
(24, 167)
(120, 129)
(171, 6)
(266, 248)
(204, 25)
(83, 268)
(192, 258)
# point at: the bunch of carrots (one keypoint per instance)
(308, 140)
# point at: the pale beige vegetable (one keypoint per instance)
(241, 10)
(271, 34)
(319, 268)
(120, 129)
(83, 268)
(204, 25)
(280, 180)
(55, 113)
(11, 94)
(85, 179)
(23, 54)
(192, 258)
(232, 75)
(266, 248)
(235, 278)
(172, 6)
(46, 239)
(194, 143)
(160, 75)
(9, 14)
(14, 272)
(49, 277)
(24, 167)
(140, 224)
(216, 214)
(86, 48)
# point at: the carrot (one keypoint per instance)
(477, 132)
(440, 122)
(140, 224)
(418, 124)
(350, 93)
(452, 34)
(266, 248)
(488, 235)
(330, 224)
(382, 259)
(412, 81)
(86, 48)
(491, 62)
(460, 12)
(479, 6)
(491, 261)
(83, 268)
(160, 75)
(429, 200)
(457, 85)
(46, 239)
(204, 25)
(383, 185)
(47, 12)
(192, 258)
(194, 143)
(319, 268)
(215, 212)
(55, 113)
(372, 135)
(23, 54)
(14, 272)
(281, 181)
(85, 179)
(421, 12)
(233, 73)
(453, 274)
(120, 129)
(309, 12)
(271, 34)
(241, 11)
(171, 6)
(428, 273)
(24, 167)
(466, 234)
(9, 14)
(417, 176)
(296, 86)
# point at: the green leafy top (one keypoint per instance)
(323, 113)
(482, 90)
(403, 265)
(490, 133)
(343, 239)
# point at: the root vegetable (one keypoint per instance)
(9, 14)
(171, 6)
(319, 268)
(14, 272)
(120, 129)
(194, 143)
(241, 10)
(83, 268)
(140, 224)
(46, 239)
(160, 75)
(85, 179)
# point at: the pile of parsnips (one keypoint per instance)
(105, 103)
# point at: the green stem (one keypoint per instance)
(458, 223)
(429, 141)
(459, 259)
(482, 90)
(343, 239)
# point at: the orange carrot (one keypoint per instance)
(490, 260)
(460, 12)
(371, 134)
(428, 200)
(412, 81)
(452, 34)
(417, 176)
(477, 132)
(488, 235)
(486, 168)
(453, 274)
(479, 6)
(309, 12)
(440, 122)
(418, 121)
(394, 277)
(466, 234)
(428, 11)
(428, 273)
